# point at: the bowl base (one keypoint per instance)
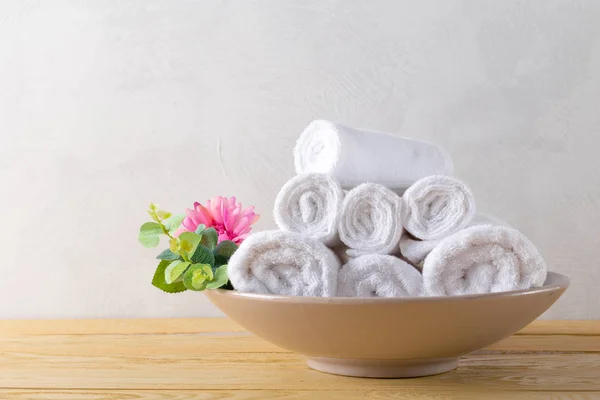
(383, 368)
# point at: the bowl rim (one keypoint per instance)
(558, 282)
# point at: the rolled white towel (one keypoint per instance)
(354, 156)
(416, 250)
(437, 206)
(483, 259)
(370, 221)
(285, 263)
(310, 204)
(376, 275)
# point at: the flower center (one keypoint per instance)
(220, 228)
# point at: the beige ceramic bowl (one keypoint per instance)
(400, 337)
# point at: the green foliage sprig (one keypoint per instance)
(193, 261)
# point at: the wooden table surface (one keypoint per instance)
(217, 359)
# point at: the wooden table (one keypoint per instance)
(217, 359)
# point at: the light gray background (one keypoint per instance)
(107, 105)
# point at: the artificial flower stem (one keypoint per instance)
(155, 215)
(165, 230)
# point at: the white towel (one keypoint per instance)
(483, 259)
(354, 156)
(370, 221)
(310, 204)
(437, 206)
(285, 263)
(376, 275)
(416, 250)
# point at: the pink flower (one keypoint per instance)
(223, 214)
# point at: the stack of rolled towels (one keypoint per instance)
(370, 214)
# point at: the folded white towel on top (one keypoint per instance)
(376, 275)
(310, 204)
(354, 156)
(437, 206)
(416, 250)
(483, 259)
(285, 263)
(370, 221)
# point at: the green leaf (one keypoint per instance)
(173, 222)
(151, 228)
(152, 215)
(174, 245)
(148, 241)
(152, 209)
(200, 229)
(163, 215)
(197, 277)
(175, 270)
(203, 255)
(208, 271)
(188, 241)
(220, 260)
(159, 279)
(226, 248)
(149, 234)
(167, 254)
(221, 278)
(210, 238)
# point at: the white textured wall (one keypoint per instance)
(106, 105)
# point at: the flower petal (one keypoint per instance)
(224, 208)
(215, 209)
(239, 238)
(223, 236)
(189, 224)
(242, 225)
(206, 217)
(226, 213)
(234, 215)
(248, 210)
(194, 216)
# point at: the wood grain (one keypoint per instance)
(196, 325)
(429, 394)
(217, 359)
(277, 370)
(234, 342)
(536, 343)
(591, 327)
